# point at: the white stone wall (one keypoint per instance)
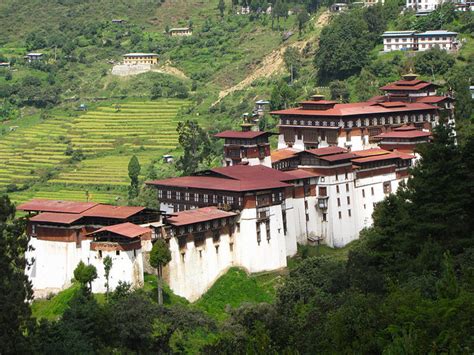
(55, 262)
(127, 266)
(193, 270)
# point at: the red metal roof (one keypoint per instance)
(299, 174)
(405, 128)
(370, 152)
(246, 173)
(42, 205)
(220, 184)
(338, 157)
(403, 85)
(57, 218)
(327, 151)
(241, 135)
(404, 134)
(432, 99)
(128, 230)
(198, 215)
(382, 157)
(282, 154)
(356, 109)
(109, 211)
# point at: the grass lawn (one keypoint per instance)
(54, 307)
(235, 288)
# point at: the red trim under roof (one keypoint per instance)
(43, 205)
(241, 135)
(57, 218)
(109, 211)
(197, 216)
(128, 230)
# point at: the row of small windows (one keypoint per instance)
(196, 197)
(202, 227)
(380, 121)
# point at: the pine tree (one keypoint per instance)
(133, 172)
(160, 256)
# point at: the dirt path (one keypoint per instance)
(167, 68)
(273, 63)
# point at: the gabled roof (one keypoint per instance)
(338, 157)
(238, 178)
(432, 99)
(320, 152)
(282, 154)
(370, 152)
(219, 184)
(127, 230)
(241, 135)
(197, 216)
(43, 205)
(407, 85)
(56, 218)
(109, 211)
(250, 172)
(382, 157)
(300, 174)
(404, 134)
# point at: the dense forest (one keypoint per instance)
(406, 287)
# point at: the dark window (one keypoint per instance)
(348, 200)
(338, 202)
(363, 193)
(349, 212)
(199, 240)
(117, 252)
(100, 253)
(340, 215)
(259, 234)
(347, 187)
(372, 191)
(323, 191)
(267, 227)
(216, 236)
(337, 188)
(325, 217)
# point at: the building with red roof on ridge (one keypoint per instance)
(319, 123)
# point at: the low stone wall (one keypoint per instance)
(126, 70)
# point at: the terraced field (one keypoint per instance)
(105, 171)
(114, 132)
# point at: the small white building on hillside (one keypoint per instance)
(419, 41)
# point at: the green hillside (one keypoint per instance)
(103, 139)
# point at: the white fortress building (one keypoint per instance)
(335, 162)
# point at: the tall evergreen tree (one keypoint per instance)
(15, 288)
(133, 172)
(196, 146)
